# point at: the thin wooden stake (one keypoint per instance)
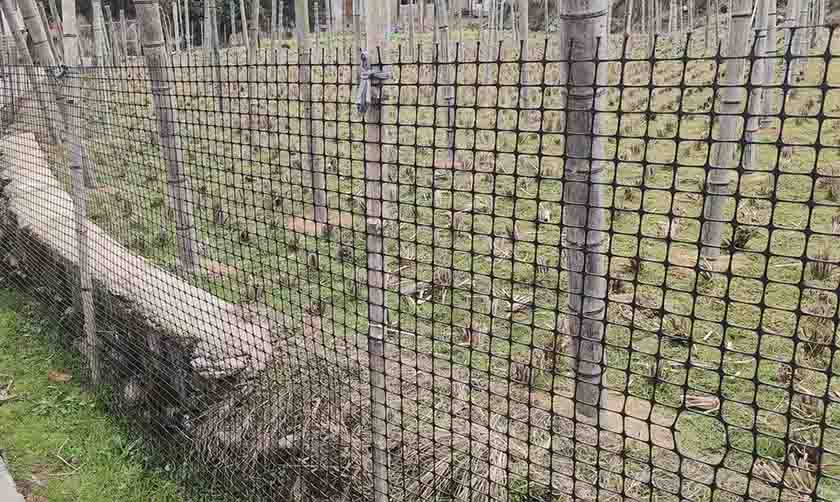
(73, 92)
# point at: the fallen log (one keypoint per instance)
(223, 342)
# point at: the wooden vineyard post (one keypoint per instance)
(586, 197)
(19, 32)
(726, 157)
(77, 153)
(372, 75)
(163, 97)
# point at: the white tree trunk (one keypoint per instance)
(244, 26)
(163, 97)
(586, 197)
(98, 50)
(726, 155)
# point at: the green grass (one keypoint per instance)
(58, 439)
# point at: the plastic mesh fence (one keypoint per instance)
(293, 299)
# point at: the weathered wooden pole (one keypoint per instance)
(163, 97)
(124, 34)
(74, 135)
(628, 18)
(726, 158)
(372, 73)
(18, 31)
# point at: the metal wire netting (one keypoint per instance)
(253, 365)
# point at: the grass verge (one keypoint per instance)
(57, 438)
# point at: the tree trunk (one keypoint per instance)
(216, 57)
(19, 32)
(377, 314)
(163, 97)
(726, 158)
(77, 154)
(586, 196)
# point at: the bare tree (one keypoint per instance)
(163, 98)
(586, 195)
(726, 157)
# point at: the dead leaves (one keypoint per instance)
(59, 377)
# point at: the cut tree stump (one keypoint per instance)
(223, 342)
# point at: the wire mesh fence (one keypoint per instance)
(300, 291)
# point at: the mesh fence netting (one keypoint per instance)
(422, 276)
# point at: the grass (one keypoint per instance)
(678, 331)
(59, 441)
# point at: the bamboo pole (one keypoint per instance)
(58, 22)
(377, 313)
(273, 29)
(586, 198)
(757, 92)
(215, 55)
(188, 24)
(124, 34)
(18, 31)
(176, 24)
(244, 26)
(108, 28)
(726, 159)
(96, 28)
(163, 97)
(74, 127)
(770, 64)
(308, 145)
(43, 15)
(628, 17)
